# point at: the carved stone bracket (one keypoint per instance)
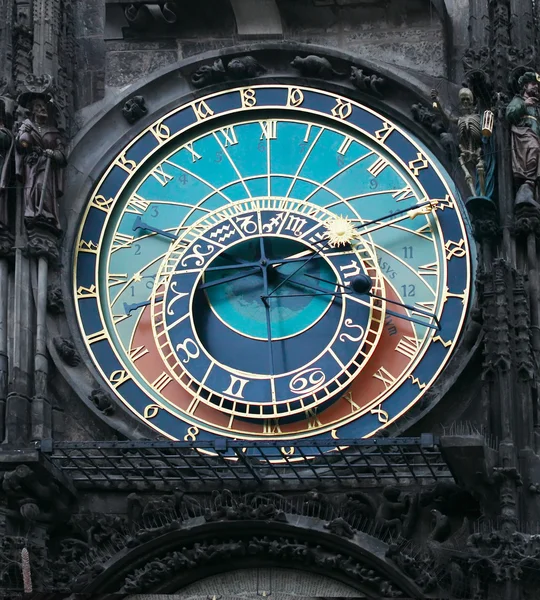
(43, 241)
(134, 109)
(102, 401)
(6, 243)
(34, 499)
(67, 352)
(243, 67)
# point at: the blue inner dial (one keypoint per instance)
(238, 303)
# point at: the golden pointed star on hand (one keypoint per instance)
(137, 277)
(340, 231)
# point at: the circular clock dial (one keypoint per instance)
(272, 262)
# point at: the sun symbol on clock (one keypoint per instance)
(340, 231)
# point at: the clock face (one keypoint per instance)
(272, 262)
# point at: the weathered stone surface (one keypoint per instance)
(124, 67)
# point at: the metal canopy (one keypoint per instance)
(197, 465)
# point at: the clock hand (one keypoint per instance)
(140, 224)
(264, 265)
(412, 213)
(128, 308)
(412, 308)
(240, 262)
(229, 278)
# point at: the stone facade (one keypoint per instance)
(103, 67)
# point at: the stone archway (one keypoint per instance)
(279, 583)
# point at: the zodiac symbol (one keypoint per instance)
(223, 233)
(300, 384)
(197, 255)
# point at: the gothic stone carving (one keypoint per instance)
(134, 109)
(40, 160)
(227, 507)
(67, 352)
(6, 156)
(315, 66)
(244, 67)
(281, 549)
(34, 500)
(367, 83)
(102, 401)
(55, 299)
(523, 114)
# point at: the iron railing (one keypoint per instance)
(298, 464)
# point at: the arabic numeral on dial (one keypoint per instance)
(190, 348)
(408, 291)
(191, 435)
(307, 381)
(407, 251)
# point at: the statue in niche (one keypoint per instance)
(6, 155)
(475, 144)
(523, 114)
(40, 161)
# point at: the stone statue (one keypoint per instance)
(523, 114)
(476, 146)
(40, 160)
(469, 126)
(6, 154)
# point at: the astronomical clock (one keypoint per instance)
(272, 262)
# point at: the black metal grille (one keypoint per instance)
(298, 464)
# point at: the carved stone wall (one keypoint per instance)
(103, 66)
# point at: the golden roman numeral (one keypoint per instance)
(378, 166)
(408, 346)
(404, 194)
(137, 205)
(347, 141)
(271, 426)
(138, 352)
(269, 129)
(160, 175)
(427, 306)
(429, 269)
(387, 378)
(99, 336)
(229, 136)
(349, 397)
(195, 156)
(161, 382)
(116, 279)
(121, 240)
(313, 418)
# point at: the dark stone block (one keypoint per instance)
(124, 68)
(89, 18)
